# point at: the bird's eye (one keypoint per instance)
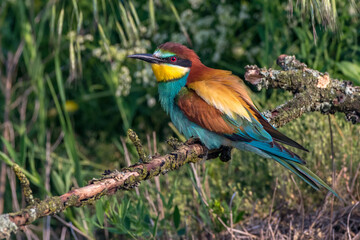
(173, 59)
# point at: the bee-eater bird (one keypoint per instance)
(214, 106)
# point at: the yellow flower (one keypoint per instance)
(71, 106)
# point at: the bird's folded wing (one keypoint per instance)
(224, 106)
(231, 125)
(237, 129)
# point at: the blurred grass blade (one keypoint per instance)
(52, 22)
(104, 38)
(152, 15)
(134, 13)
(178, 19)
(33, 179)
(126, 23)
(350, 70)
(121, 34)
(10, 150)
(69, 139)
(72, 57)
(60, 23)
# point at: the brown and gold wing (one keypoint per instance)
(201, 113)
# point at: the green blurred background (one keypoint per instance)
(69, 94)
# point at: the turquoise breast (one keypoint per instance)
(167, 93)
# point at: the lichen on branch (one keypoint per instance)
(25, 185)
(314, 91)
(111, 182)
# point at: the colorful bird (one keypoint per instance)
(214, 106)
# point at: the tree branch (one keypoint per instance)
(126, 178)
(314, 91)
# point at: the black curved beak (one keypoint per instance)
(146, 57)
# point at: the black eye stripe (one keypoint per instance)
(179, 61)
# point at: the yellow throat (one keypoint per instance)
(167, 72)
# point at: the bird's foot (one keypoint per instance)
(225, 154)
(192, 141)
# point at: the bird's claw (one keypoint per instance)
(225, 154)
(193, 140)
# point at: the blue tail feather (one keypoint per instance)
(278, 150)
(290, 161)
(305, 174)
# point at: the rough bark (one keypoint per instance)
(314, 91)
(127, 178)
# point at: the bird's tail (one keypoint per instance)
(305, 174)
(292, 162)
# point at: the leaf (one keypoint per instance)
(10, 149)
(6, 159)
(127, 223)
(99, 213)
(176, 217)
(154, 232)
(239, 217)
(34, 179)
(216, 206)
(67, 178)
(181, 232)
(351, 70)
(58, 182)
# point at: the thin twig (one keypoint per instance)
(272, 201)
(301, 205)
(11, 66)
(354, 178)
(201, 194)
(63, 233)
(127, 178)
(296, 77)
(127, 159)
(137, 143)
(270, 210)
(25, 185)
(348, 220)
(231, 214)
(58, 141)
(71, 226)
(48, 162)
(333, 175)
(157, 180)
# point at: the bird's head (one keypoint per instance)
(170, 61)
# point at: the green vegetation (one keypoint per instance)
(69, 94)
